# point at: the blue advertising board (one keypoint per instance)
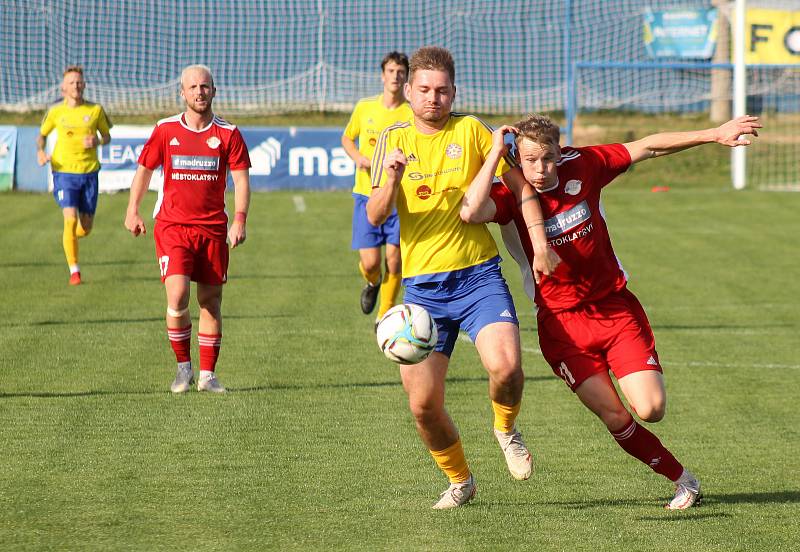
(689, 33)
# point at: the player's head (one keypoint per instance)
(197, 88)
(430, 89)
(73, 85)
(538, 151)
(394, 72)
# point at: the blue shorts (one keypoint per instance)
(471, 302)
(76, 190)
(365, 235)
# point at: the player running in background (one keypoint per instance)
(589, 323)
(74, 161)
(450, 267)
(369, 118)
(196, 149)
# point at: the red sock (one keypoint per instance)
(641, 444)
(209, 350)
(181, 341)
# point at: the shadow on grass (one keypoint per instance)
(689, 327)
(236, 390)
(61, 263)
(774, 497)
(74, 321)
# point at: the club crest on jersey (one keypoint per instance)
(213, 142)
(86, 118)
(573, 187)
(424, 192)
(372, 142)
(453, 151)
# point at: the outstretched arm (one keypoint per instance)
(476, 206)
(730, 134)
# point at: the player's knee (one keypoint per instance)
(426, 413)
(507, 372)
(651, 411)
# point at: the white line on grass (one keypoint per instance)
(299, 204)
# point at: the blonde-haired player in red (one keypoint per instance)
(196, 149)
(589, 323)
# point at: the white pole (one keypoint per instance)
(738, 159)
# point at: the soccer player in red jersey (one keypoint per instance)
(589, 323)
(195, 149)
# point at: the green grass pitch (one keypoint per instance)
(313, 447)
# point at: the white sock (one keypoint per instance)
(185, 365)
(74, 268)
(206, 374)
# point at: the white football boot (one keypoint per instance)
(208, 382)
(184, 378)
(518, 457)
(687, 492)
(457, 494)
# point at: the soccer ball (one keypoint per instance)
(407, 334)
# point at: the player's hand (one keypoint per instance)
(42, 158)
(364, 163)
(499, 144)
(395, 164)
(135, 224)
(545, 265)
(90, 141)
(237, 233)
(734, 131)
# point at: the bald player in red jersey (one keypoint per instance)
(196, 149)
(589, 323)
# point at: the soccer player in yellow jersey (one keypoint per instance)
(450, 262)
(369, 118)
(74, 160)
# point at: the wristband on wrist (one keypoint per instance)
(540, 223)
(240, 216)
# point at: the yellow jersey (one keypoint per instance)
(74, 124)
(369, 118)
(434, 242)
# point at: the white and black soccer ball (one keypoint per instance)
(407, 334)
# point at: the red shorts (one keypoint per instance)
(610, 334)
(185, 250)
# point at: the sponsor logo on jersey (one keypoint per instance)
(174, 142)
(421, 176)
(195, 162)
(652, 361)
(506, 314)
(424, 192)
(573, 187)
(566, 221)
(412, 158)
(453, 151)
(213, 142)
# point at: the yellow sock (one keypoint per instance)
(69, 241)
(452, 462)
(505, 416)
(389, 290)
(373, 278)
(80, 231)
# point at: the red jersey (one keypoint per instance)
(575, 226)
(195, 165)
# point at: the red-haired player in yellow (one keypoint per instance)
(74, 161)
